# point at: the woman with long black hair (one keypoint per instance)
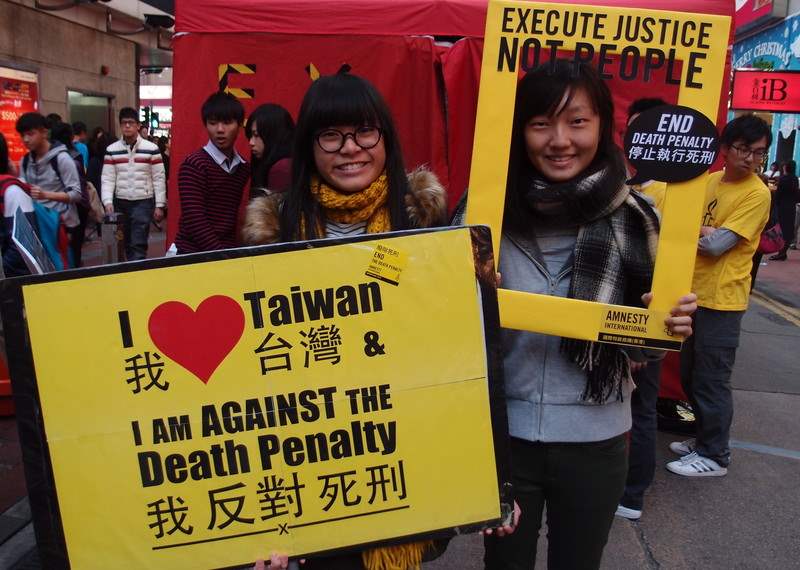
(572, 228)
(270, 133)
(348, 178)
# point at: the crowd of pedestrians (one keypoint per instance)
(783, 183)
(74, 178)
(581, 414)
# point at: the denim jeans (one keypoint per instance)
(642, 450)
(138, 215)
(580, 484)
(707, 360)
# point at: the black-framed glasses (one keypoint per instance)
(332, 140)
(745, 152)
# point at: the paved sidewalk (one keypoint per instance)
(780, 280)
(747, 519)
(16, 531)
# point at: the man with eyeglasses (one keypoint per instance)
(736, 210)
(133, 183)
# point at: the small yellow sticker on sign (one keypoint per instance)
(386, 264)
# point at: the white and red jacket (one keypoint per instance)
(133, 173)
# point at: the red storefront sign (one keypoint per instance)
(750, 11)
(19, 93)
(773, 91)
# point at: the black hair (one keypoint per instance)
(748, 129)
(644, 104)
(222, 106)
(790, 167)
(62, 132)
(31, 121)
(4, 164)
(275, 126)
(162, 143)
(341, 99)
(99, 145)
(78, 128)
(541, 92)
(128, 113)
(52, 120)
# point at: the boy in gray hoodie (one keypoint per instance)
(49, 170)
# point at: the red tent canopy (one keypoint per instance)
(374, 17)
(431, 88)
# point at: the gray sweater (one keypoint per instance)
(41, 173)
(543, 387)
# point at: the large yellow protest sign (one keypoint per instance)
(203, 412)
(688, 48)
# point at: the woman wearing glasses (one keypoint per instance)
(348, 176)
(348, 179)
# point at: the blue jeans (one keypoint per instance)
(138, 215)
(707, 360)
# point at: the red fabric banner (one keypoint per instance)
(431, 89)
(403, 69)
(461, 18)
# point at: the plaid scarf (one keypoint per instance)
(613, 262)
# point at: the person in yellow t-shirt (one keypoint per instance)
(656, 191)
(736, 210)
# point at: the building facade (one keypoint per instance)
(772, 44)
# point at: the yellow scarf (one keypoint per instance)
(368, 205)
(399, 557)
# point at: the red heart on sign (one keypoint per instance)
(197, 340)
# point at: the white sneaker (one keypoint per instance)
(630, 514)
(682, 447)
(694, 465)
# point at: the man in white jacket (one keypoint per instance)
(134, 184)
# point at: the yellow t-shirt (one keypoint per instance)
(723, 282)
(655, 190)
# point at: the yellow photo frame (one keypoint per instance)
(513, 30)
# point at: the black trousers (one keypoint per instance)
(580, 484)
(642, 452)
(76, 236)
(707, 359)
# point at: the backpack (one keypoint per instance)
(7, 180)
(52, 231)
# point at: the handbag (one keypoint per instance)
(96, 210)
(771, 240)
